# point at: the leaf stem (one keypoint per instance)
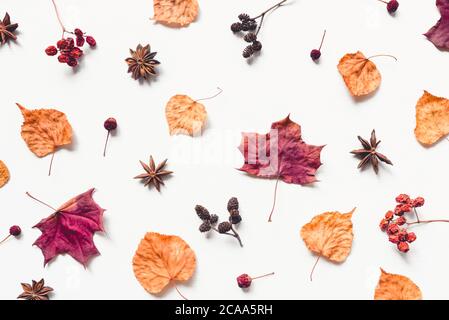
(382, 55)
(51, 163)
(211, 97)
(274, 198)
(313, 269)
(426, 221)
(59, 18)
(179, 292)
(7, 237)
(106, 143)
(235, 235)
(45, 204)
(262, 15)
(262, 276)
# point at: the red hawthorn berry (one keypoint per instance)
(402, 235)
(403, 246)
(383, 225)
(392, 228)
(80, 41)
(400, 209)
(76, 53)
(63, 58)
(78, 32)
(15, 231)
(72, 62)
(61, 44)
(393, 238)
(403, 198)
(70, 43)
(392, 6)
(401, 221)
(411, 236)
(51, 51)
(418, 202)
(91, 41)
(389, 215)
(244, 281)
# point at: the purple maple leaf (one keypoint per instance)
(439, 33)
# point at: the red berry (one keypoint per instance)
(91, 41)
(392, 228)
(403, 198)
(244, 281)
(403, 246)
(80, 41)
(110, 124)
(393, 238)
(411, 236)
(61, 44)
(402, 235)
(78, 32)
(418, 202)
(76, 53)
(383, 225)
(51, 51)
(315, 54)
(401, 221)
(392, 6)
(63, 58)
(72, 62)
(70, 43)
(15, 231)
(389, 215)
(400, 209)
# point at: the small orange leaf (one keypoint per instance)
(396, 287)
(45, 130)
(175, 13)
(160, 259)
(432, 118)
(4, 174)
(329, 235)
(359, 73)
(185, 115)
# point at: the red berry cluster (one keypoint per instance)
(394, 221)
(70, 49)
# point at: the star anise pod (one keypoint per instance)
(142, 63)
(35, 291)
(153, 175)
(369, 153)
(7, 29)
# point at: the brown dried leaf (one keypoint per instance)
(432, 118)
(160, 259)
(175, 13)
(329, 235)
(45, 130)
(359, 73)
(185, 115)
(396, 287)
(4, 174)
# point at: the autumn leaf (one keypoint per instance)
(439, 33)
(161, 259)
(175, 13)
(70, 229)
(280, 154)
(185, 115)
(432, 118)
(329, 235)
(396, 287)
(4, 174)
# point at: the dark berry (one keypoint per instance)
(248, 52)
(315, 54)
(235, 219)
(202, 213)
(91, 41)
(51, 51)
(250, 37)
(72, 62)
(224, 227)
(392, 6)
(110, 124)
(80, 41)
(61, 44)
(256, 46)
(205, 226)
(70, 43)
(63, 58)
(252, 25)
(244, 281)
(245, 26)
(233, 204)
(213, 219)
(236, 27)
(234, 212)
(243, 17)
(15, 231)
(78, 32)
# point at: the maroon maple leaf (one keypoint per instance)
(71, 228)
(439, 33)
(280, 154)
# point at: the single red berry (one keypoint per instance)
(393, 238)
(70, 43)
(403, 246)
(76, 53)
(315, 54)
(392, 6)
(72, 62)
(392, 228)
(63, 58)
(51, 51)
(403, 198)
(244, 281)
(401, 221)
(110, 124)
(418, 202)
(402, 235)
(61, 44)
(389, 215)
(411, 236)
(15, 231)
(78, 32)
(400, 209)
(384, 225)
(79, 41)
(91, 41)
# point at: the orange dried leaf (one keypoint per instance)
(396, 287)
(359, 73)
(432, 118)
(185, 115)
(4, 174)
(45, 130)
(160, 259)
(175, 13)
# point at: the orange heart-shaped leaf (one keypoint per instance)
(396, 287)
(4, 174)
(185, 115)
(175, 13)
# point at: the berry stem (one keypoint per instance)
(426, 221)
(382, 55)
(237, 236)
(51, 163)
(59, 18)
(416, 214)
(274, 198)
(262, 15)
(7, 237)
(322, 40)
(106, 143)
(265, 275)
(383, 1)
(211, 97)
(179, 292)
(45, 204)
(314, 266)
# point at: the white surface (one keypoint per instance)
(195, 60)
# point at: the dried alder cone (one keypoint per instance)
(7, 29)
(70, 229)
(439, 33)
(153, 174)
(161, 259)
(175, 13)
(396, 287)
(432, 119)
(35, 291)
(4, 174)
(142, 64)
(185, 116)
(329, 235)
(44, 130)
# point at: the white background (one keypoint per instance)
(283, 80)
